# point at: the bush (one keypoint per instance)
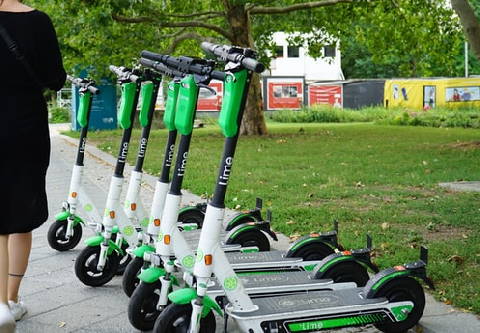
(59, 115)
(328, 114)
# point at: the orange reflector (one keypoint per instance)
(347, 253)
(156, 222)
(166, 239)
(314, 235)
(74, 194)
(399, 268)
(251, 223)
(112, 214)
(133, 206)
(208, 259)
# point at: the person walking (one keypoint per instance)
(30, 61)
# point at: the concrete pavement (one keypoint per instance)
(58, 302)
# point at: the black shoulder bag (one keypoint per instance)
(13, 47)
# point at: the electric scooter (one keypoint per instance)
(99, 261)
(66, 232)
(392, 300)
(251, 236)
(146, 303)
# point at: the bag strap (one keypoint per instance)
(13, 47)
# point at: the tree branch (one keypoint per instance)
(183, 37)
(211, 14)
(299, 6)
(181, 24)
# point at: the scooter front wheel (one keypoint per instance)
(176, 318)
(402, 289)
(251, 237)
(130, 278)
(124, 261)
(142, 308)
(57, 236)
(86, 267)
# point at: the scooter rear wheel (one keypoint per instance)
(130, 278)
(251, 237)
(403, 289)
(57, 239)
(192, 216)
(176, 319)
(86, 267)
(348, 271)
(142, 308)
(312, 251)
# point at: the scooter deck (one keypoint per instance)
(193, 237)
(275, 283)
(310, 303)
(263, 260)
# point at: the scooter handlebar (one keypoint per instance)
(185, 64)
(124, 73)
(228, 53)
(161, 68)
(84, 83)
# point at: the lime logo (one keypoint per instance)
(188, 261)
(199, 255)
(88, 207)
(128, 230)
(126, 204)
(160, 235)
(144, 222)
(105, 212)
(230, 283)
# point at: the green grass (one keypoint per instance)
(372, 178)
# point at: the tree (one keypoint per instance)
(470, 23)
(418, 31)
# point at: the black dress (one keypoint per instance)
(24, 135)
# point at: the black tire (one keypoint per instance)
(403, 289)
(130, 277)
(243, 220)
(347, 271)
(86, 267)
(57, 239)
(192, 216)
(142, 308)
(312, 251)
(124, 261)
(251, 237)
(176, 319)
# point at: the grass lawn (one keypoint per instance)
(374, 179)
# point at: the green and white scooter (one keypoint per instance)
(150, 298)
(392, 300)
(66, 232)
(251, 236)
(99, 261)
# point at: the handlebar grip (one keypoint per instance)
(118, 71)
(253, 65)
(218, 75)
(93, 90)
(208, 47)
(152, 56)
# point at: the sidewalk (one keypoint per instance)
(58, 302)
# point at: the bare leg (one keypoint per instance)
(19, 246)
(3, 268)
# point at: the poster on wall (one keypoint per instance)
(462, 94)
(325, 94)
(429, 97)
(284, 93)
(209, 101)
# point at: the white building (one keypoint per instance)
(294, 61)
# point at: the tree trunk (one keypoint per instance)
(253, 122)
(470, 23)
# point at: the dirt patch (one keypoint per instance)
(435, 232)
(465, 145)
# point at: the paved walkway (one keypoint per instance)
(58, 302)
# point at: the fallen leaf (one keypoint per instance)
(238, 207)
(456, 259)
(61, 324)
(290, 222)
(385, 225)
